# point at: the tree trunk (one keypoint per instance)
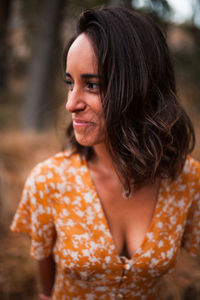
(4, 15)
(42, 65)
(126, 3)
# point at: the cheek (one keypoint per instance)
(102, 128)
(101, 121)
(99, 112)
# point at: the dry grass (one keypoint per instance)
(19, 152)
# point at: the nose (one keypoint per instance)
(75, 100)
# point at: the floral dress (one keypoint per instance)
(59, 199)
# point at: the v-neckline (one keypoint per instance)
(150, 228)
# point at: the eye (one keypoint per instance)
(69, 83)
(93, 86)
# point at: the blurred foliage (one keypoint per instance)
(86, 3)
(158, 7)
(188, 63)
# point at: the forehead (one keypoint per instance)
(81, 54)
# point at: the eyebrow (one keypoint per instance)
(86, 75)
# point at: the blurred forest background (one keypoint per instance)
(33, 34)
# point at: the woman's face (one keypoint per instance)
(83, 100)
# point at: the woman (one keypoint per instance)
(108, 216)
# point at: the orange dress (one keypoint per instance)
(59, 197)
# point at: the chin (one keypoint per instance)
(88, 141)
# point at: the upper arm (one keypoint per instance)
(34, 214)
(191, 236)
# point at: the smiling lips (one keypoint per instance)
(81, 123)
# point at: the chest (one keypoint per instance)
(92, 232)
(88, 241)
(128, 219)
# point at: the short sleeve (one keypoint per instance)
(34, 214)
(191, 236)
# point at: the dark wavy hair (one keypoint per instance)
(148, 133)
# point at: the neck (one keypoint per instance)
(102, 157)
(102, 162)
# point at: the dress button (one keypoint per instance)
(123, 259)
(119, 296)
(127, 267)
(83, 275)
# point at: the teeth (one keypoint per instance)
(80, 122)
